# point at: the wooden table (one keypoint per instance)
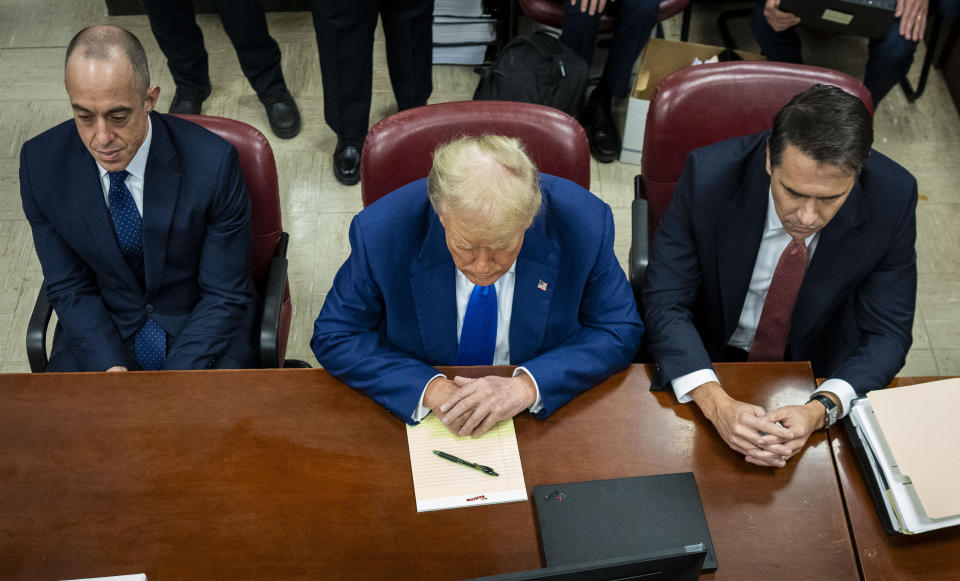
(288, 474)
(882, 557)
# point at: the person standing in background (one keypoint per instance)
(175, 28)
(345, 30)
(635, 21)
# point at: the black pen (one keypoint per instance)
(485, 469)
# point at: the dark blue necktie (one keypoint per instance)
(478, 335)
(150, 344)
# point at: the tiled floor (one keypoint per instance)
(924, 137)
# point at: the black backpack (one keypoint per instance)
(538, 69)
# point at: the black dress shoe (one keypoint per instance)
(283, 115)
(189, 101)
(601, 130)
(346, 161)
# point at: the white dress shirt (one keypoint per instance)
(501, 353)
(136, 170)
(772, 245)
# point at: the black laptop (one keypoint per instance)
(870, 18)
(603, 519)
(680, 564)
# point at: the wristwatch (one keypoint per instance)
(830, 408)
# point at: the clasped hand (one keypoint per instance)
(764, 438)
(470, 407)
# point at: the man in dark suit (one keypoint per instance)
(795, 244)
(484, 262)
(345, 30)
(141, 223)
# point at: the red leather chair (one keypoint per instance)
(399, 149)
(704, 104)
(269, 264)
(550, 12)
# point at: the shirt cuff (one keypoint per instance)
(842, 389)
(538, 404)
(421, 411)
(683, 385)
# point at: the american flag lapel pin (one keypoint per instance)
(542, 285)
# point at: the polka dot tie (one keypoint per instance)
(150, 344)
(126, 223)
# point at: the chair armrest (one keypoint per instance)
(37, 331)
(640, 239)
(272, 304)
(296, 364)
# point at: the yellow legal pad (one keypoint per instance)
(440, 483)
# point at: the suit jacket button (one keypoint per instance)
(149, 308)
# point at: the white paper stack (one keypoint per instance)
(470, 54)
(454, 30)
(461, 32)
(458, 7)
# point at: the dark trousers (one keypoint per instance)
(345, 30)
(635, 23)
(890, 56)
(181, 41)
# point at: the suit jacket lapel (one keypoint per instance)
(433, 287)
(535, 282)
(87, 201)
(838, 252)
(161, 186)
(738, 238)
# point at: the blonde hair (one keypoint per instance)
(487, 181)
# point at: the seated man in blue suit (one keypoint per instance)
(483, 262)
(794, 244)
(141, 223)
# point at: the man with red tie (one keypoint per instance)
(793, 244)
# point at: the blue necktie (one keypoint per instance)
(150, 344)
(478, 335)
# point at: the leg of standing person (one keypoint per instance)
(889, 61)
(180, 39)
(635, 22)
(579, 30)
(345, 31)
(782, 46)
(259, 56)
(408, 31)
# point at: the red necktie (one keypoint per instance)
(774, 327)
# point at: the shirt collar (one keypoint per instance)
(773, 221)
(138, 165)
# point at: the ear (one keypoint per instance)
(150, 101)
(769, 168)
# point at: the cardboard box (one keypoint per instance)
(659, 59)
